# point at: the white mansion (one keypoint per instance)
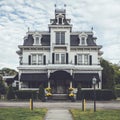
(59, 58)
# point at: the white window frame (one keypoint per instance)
(59, 55)
(37, 61)
(60, 37)
(35, 39)
(81, 37)
(83, 60)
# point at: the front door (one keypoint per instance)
(60, 82)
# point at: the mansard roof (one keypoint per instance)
(29, 41)
(45, 40)
(74, 40)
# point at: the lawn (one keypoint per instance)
(21, 114)
(99, 115)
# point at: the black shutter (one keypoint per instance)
(29, 59)
(75, 59)
(53, 58)
(44, 60)
(90, 59)
(66, 58)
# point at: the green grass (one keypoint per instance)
(21, 114)
(99, 115)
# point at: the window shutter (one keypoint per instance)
(29, 59)
(53, 58)
(66, 58)
(44, 60)
(75, 59)
(90, 60)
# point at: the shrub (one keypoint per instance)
(118, 92)
(10, 93)
(41, 94)
(26, 94)
(103, 94)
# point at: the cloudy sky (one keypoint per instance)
(17, 15)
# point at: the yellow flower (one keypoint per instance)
(48, 94)
(48, 89)
(71, 95)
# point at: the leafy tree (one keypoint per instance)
(108, 81)
(2, 86)
(7, 71)
(10, 93)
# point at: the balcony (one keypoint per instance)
(60, 45)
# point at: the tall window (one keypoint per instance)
(34, 59)
(80, 61)
(60, 58)
(37, 40)
(83, 59)
(60, 38)
(40, 59)
(37, 59)
(86, 59)
(83, 40)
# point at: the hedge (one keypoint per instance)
(26, 94)
(118, 92)
(103, 94)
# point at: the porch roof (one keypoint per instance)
(31, 77)
(86, 77)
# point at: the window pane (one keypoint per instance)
(57, 58)
(86, 59)
(62, 37)
(33, 59)
(60, 20)
(83, 41)
(37, 40)
(39, 59)
(80, 59)
(62, 58)
(57, 37)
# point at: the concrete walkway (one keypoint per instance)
(58, 114)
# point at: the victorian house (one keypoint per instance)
(59, 58)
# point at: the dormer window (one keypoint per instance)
(83, 39)
(37, 39)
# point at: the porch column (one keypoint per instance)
(48, 80)
(70, 84)
(71, 81)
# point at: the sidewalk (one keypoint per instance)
(58, 114)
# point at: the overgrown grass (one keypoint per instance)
(22, 114)
(99, 115)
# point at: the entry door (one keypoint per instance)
(61, 87)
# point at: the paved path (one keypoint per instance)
(58, 114)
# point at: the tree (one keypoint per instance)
(108, 73)
(10, 93)
(2, 87)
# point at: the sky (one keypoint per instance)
(17, 15)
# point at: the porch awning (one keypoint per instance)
(31, 77)
(86, 77)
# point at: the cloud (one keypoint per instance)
(17, 15)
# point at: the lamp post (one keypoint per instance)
(94, 80)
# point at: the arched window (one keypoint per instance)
(37, 39)
(83, 39)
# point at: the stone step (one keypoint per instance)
(60, 96)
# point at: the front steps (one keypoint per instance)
(60, 97)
